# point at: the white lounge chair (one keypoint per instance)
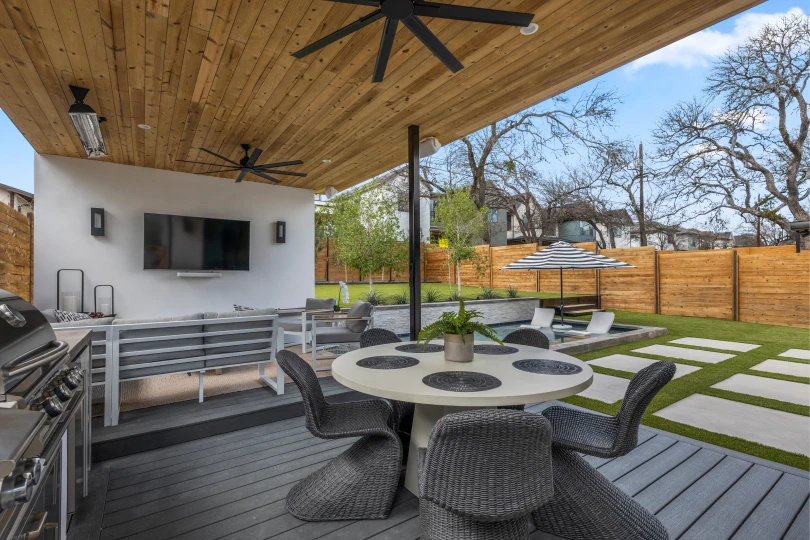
(601, 321)
(542, 318)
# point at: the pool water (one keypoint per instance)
(554, 336)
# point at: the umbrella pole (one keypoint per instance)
(562, 302)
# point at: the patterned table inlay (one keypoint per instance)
(387, 362)
(547, 367)
(461, 381)
(417, 348)
(494, 349)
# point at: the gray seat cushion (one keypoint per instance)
(262, 332)
(320, 303)
(337, 335)
(292, 323)
(104, 321)
(161, 344)
(359, 309)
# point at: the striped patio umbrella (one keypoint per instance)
(563, 256)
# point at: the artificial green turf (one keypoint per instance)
(772, 340)
(358, 291)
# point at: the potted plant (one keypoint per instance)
(458, 331)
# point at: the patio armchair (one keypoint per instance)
(403, 411)
(358, 319)
(587, 506)
(610, 436)
(543, 317)
(601, 321)
(531, 338)
(361, 482)
(482, 474)
(298, 321)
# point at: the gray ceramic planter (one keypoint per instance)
(457, 351)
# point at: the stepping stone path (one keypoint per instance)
(606, 388)
(773, 428)
(681, 353)
(634, 364)
(791, 392)
(715, 344)
(781, 367)
(801, 354)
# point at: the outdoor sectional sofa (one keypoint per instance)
(129, 349)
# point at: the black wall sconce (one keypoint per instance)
(281, 232)
(97, 221)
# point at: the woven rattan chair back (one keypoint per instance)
(303, 376)
(489, 465)
(640, 392)
(528, 337)
(378, 336)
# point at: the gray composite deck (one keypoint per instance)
(232, 486)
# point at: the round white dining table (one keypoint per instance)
(517, 387)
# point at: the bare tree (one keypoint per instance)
(748, 135)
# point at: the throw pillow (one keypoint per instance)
(237, 307)
(69, 316)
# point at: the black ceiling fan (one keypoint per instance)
(408, 12)
(247, 165)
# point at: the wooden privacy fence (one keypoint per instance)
(768, 285)
(16, 252)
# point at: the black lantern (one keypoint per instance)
(281, 232)
(97, 221)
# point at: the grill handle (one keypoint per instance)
(21, 367)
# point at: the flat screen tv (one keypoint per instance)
(195, 243)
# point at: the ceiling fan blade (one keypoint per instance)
(340, 34)
(232, 169)
(220, 157)
(254, 157)
(198, 162)
(472, 14)
(429, 39)
(241, 176)
(262, 175)
(386, 43)
(369, 3)
(287, 173)
(281, 164)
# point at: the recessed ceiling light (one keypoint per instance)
(529, 30)
(144, 126)
(327, 161)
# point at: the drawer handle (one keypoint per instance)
(40, 521)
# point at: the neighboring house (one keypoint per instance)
(19, 200)
(681, 238)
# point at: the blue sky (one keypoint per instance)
(648, 87)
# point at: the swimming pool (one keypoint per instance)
(554, 336)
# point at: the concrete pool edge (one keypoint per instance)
(633, 333)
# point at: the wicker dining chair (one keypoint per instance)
(610, 436)
(361, 482)
(482, 474)
(587, 506)
(403, 411)
(529, 337)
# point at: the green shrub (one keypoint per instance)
(512, 292)
(375, 299)
(399, 298)
(461, 323)
(489, 294)
(430, 295)
(455, 297)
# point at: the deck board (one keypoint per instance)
(233, 486)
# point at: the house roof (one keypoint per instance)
(213, 74)
(17, 191)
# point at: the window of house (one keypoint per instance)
(509, 220)
(617, 232)
(402, 199)
(492, 216)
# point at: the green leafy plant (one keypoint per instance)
(399, 298)
(512, 292)
(455, 296)
(375, 298)
(462, 323)
(430, 295)
(489, 294)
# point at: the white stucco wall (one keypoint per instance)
(281, 275)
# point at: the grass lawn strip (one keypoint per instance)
(772, 340)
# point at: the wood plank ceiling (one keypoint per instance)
(217, 73)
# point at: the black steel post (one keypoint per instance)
(414, 232)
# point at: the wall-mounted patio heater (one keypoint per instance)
(802, 229)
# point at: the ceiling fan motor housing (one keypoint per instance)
(397, 9)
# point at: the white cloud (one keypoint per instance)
(699, 49)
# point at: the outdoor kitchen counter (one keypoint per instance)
(76, 340)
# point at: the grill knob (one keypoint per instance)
(52, 406)
(63, 392)
(32, 467)
(16, 490)
(72, 379)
